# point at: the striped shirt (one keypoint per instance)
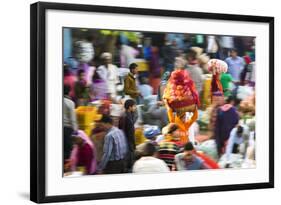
(115, 147)
(167, 152)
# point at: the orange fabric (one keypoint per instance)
(180, 93)
(216, 85)
(183, 125)
(155, 83)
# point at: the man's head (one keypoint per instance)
(81, 74)
(143, 80)
(191, 55)
(240, 130)
(172, 128)
(133, 68)
(78, 140)
(106, 57)
(233, 101)
(106, 122)
(130, 105)
(230, 100)
(149, 150)
(233, 53)
(188, 151)
(171, 132)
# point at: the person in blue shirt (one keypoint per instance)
(188, 160)
(114, 149)
(235, 65)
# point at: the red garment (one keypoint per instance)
(85, 157)
(216, 84)
(70, 81)
(207, 160)
(155, 83)
(247, 59)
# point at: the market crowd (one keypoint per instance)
(115, 119)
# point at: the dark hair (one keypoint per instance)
(66, 70)
(132, 66)
(96, 76)
(129, 103)
(65, 66)
(230, 99)
(149, 149)
(188, 147)
(66, 89)
(233, 50)
(173, 128)
(143, 80)
(240, 129)
(191, 54)
(80, 71)
(106, 119)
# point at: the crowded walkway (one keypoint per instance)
(140, 102)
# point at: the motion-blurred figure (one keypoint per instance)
(235, 65)
(109, 73)
(126, 123)
(148, 163)
(69, 122)
(188, 160)
(114, 149)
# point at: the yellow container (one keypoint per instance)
(142, 65)
(139, 137)
(86, 115)
(207, 92)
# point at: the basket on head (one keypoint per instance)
(180, 92)
(216, 66)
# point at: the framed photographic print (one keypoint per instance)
(129, 102)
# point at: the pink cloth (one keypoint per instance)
(74, 153)
(70, 81)
(226, 107)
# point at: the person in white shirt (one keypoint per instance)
(109, 73)
(69, 122)
(237, 141)
(148, 163)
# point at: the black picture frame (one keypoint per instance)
(38, 100)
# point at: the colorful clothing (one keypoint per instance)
(70, 80)
(84, 155)
(226, 79)
(99, 90)
(167, 151)
(81, 92)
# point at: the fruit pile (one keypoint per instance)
(180, 92)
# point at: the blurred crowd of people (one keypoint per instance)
(115, 120)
